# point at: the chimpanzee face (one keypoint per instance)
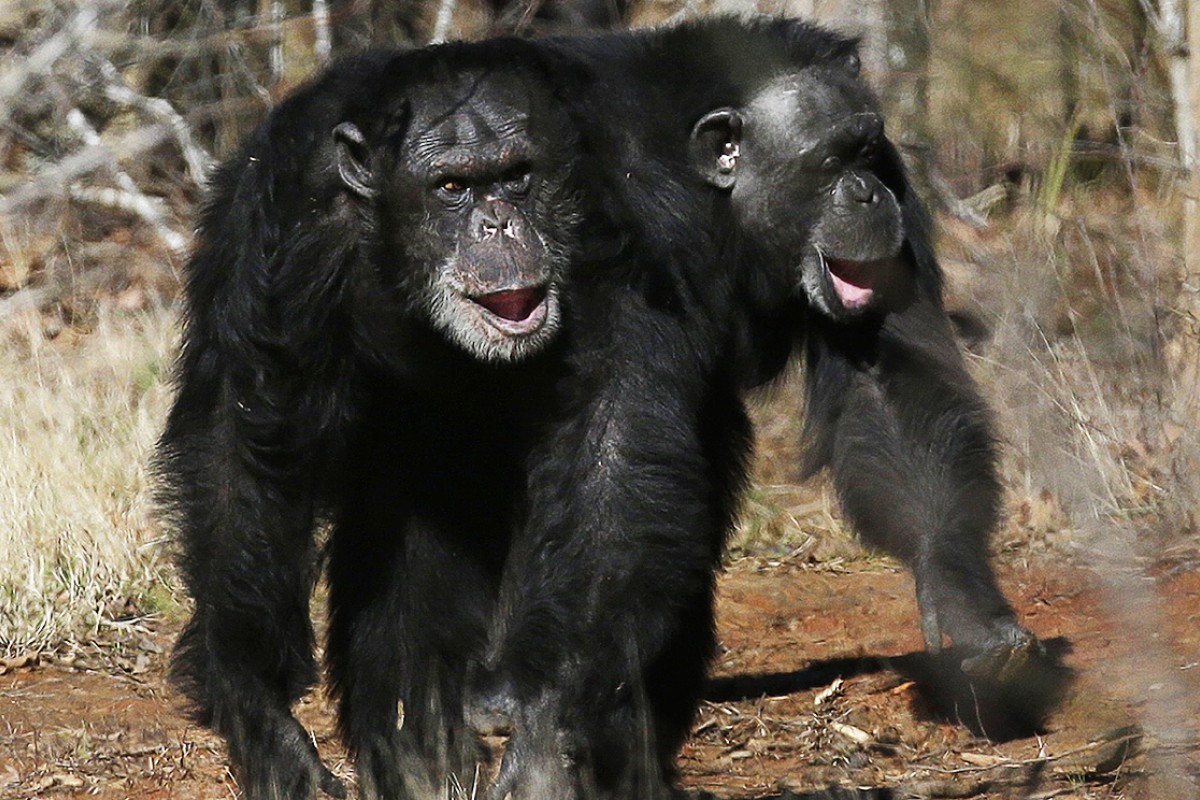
(811, 178)
(469, 183)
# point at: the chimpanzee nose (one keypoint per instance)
(854, 187)
(855, 139)
(496, 217)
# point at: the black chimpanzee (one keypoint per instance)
(745, 167)
(892, 409)
(370, 341)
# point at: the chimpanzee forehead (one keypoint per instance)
(470, 111)
(804, 100)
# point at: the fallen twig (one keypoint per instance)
(1121, 736)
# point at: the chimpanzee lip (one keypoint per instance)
(514, 311)
(852, 280)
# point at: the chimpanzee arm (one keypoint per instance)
(898, 419)
(263, 396)
(246, 554)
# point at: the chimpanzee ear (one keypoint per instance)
(352, 165)
(716, 146)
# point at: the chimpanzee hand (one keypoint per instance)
(1011, 651)
(277, 760)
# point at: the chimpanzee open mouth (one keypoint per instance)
(515, 311)
(854, 281)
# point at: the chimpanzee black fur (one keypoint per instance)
(765, 213)
(369, 341)
(489, 311)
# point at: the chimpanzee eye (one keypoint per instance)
(832, 163)
(452, 190)
(517, 179)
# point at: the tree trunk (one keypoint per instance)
(1192, 202)
(1179, 31)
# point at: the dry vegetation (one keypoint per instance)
(78, 551)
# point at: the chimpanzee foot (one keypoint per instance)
(537, 766)
(1001, 650)
(278, 761)
(331, 784)
(491, 705)
(1006, 657)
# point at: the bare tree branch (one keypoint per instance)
(13, 81)
(1168, 18)
(441, 28)
(324, 41)
(130, 197)
(158, 109)
(275, 26)
(148, 209)
(54, 180)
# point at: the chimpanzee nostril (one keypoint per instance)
(496, 218)
(484, 222)
(860, 190)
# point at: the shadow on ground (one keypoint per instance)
(999, 710)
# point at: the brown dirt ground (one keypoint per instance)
(779, 723)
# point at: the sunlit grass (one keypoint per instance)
(78, 420)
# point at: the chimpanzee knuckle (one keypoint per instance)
(282, 764)
(491, 706)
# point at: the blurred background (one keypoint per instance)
(1055, 140)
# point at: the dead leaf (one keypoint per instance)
(852, 733)
(829, 692)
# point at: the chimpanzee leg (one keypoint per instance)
(403, 629)
(410, 595)
(607, 628)
(897, 417)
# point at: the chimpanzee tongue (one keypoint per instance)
(851, 281)
(514, 305)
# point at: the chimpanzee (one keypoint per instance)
(904, 430)
(370, 342)
(745, 167)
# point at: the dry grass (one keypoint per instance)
(78, 420)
